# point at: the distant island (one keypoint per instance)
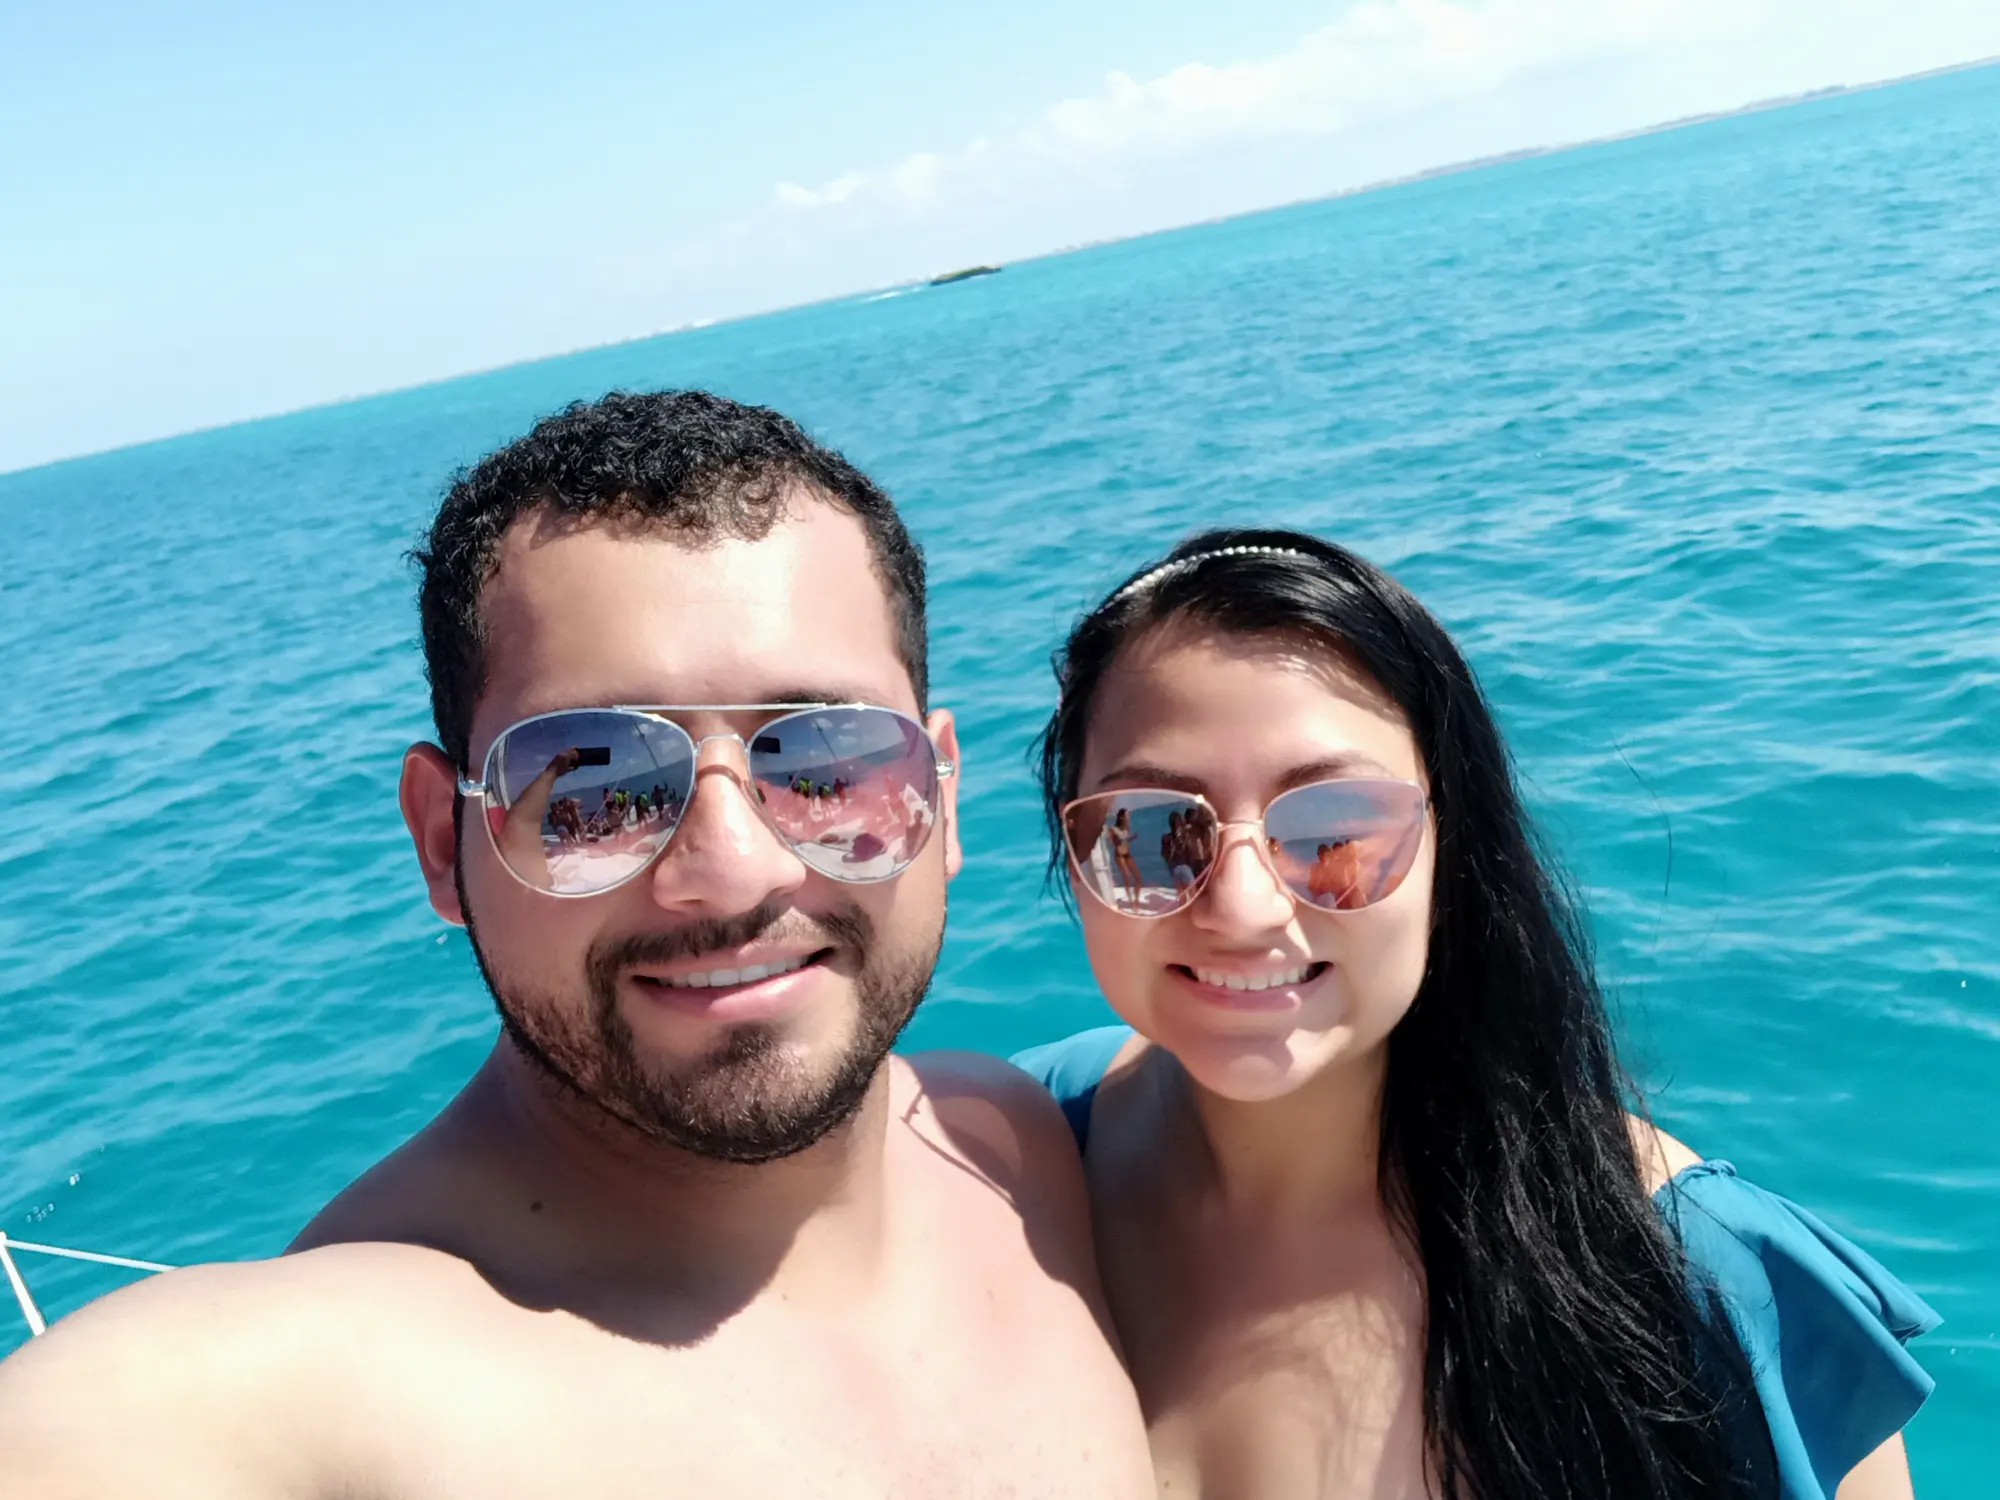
(966, 275)
(1754, 107)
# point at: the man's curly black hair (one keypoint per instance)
(687, 462)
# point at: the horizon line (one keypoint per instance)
(1406, 179)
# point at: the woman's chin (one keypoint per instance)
(1245, 1069)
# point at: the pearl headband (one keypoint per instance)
(1181, 564)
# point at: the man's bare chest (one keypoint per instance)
(770, 1409)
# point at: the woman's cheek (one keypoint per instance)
(1117, 958)
(1385, 967)
(1388, 953)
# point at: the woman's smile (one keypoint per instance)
(1261, 988)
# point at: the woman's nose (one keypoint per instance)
(1243, 892)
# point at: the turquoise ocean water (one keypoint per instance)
(1694, 439)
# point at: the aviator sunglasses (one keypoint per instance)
(583, 799)
(1337, 845)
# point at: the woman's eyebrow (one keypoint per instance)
(1323, 768)
(1136, 775)
(1346, 763)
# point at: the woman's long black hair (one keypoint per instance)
(1567, 1350)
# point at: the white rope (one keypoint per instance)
(37, 1324)
(103, 1260)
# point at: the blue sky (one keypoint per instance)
(214, 211)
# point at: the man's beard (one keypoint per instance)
(752, 1098)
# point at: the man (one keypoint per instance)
(690, 1230)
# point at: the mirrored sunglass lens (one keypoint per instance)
(854, 789)
(580, 801)
(1142, 853)
(1343, 845)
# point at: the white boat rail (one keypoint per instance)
(37, 1324)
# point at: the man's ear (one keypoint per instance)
(944, 730)
(428, 794)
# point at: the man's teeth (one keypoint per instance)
(715, 979)
(1252, 982)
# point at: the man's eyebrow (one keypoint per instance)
(818, 693)
(784, 697)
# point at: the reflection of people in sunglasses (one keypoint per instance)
(691, 1229)
(1118, 833)
(1175, 846)
(1365, 1039)
(1200, 826)
(521, 828)
(1336, 878)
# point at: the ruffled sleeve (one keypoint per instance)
(1072, 1068)
(1822, 1322)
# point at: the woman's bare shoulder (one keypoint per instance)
(1660, 1155)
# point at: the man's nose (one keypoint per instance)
(724, 858)
(1243, 893)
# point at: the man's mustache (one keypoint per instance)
(848, 927)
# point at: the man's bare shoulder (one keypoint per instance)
(995, 1108)
(951, 1072)
(425, 1192)
(997, 1120)
(197, 1372)
(403, 1199)
(1009, 1129)
(321, 1298)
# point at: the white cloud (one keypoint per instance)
(1384, 57)
(791, 195)
(1387, 89)
(1389, 59)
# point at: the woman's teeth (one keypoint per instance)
(1253, 982)
(716, 979)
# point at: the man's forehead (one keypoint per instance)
(600, 613)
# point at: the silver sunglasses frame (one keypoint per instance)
(469, 788)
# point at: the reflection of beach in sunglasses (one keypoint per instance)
(581, 800)
(1340, 845)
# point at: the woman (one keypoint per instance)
(1371, 1212)
(1120, 835)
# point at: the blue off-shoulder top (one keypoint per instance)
(1823, 1324)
